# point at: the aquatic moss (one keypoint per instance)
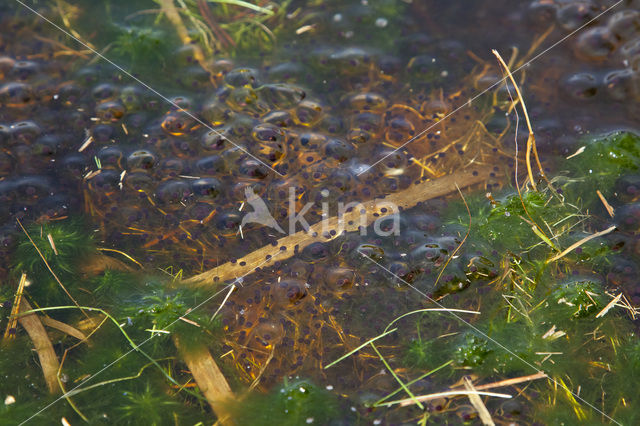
(73, 244)
(605, 159)
(471, 350)
(578, 298)
(295, 402)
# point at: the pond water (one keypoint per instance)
(319, 212)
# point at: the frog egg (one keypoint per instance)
(624, 24)
(237, 190)
(393, 163)
(199, 211)
(581, 86)
(6, 64)
(573, 15)
(281, 96)
(399, 129)
(88, 76)
(619, 84)
(138, 182)
(429, 253)
(110, 111)
(215, 140)
(308, 113)
(541, 12)
(216, 112)
(102, 132)
(339, 150)
(7, 192)
(253, 169)
(7, 163)
(185, 55)
(131, 215)
(342, 181)
(110, 157)
(242, 77)
(241, 126)
(266, 132)
(627, 217)
(426, 223)
(69, 93)
(25, 132)
(16, 95)
(628, 187)
(331, 124)
(247, 100)
(228, 222)
(72, 166)
(141, 160)
(350, 60)
(266, 334)
(339, 278)
(630, 53)
(178, 123)
(132, 97)
(367, 102)
(403, 273)
(171, 167)
(623, 273)
(104, 91)
(105, 182)
(210, 165)
(181, 103)
(279, 118)
(194, 77)
(596, 44)
(48, 146)
(221, 66)
(23, 70)
(207, 189)
(173, 192)
(289, 292)
(287, 72)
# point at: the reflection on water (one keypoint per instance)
(312, 105)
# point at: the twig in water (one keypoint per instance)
(605, 203)
(477, 403)
(582, 241)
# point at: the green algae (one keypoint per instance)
(603, 160)
(295, 402)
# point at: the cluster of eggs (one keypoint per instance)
(297, 316)
(608, 48)
(181, 172)
(34, 137)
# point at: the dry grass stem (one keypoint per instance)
(209, 378)
(606, 204)
(438, 395)
(477, 403)
(10, 331)
(38, 335)
(610, 305)
(582, 241)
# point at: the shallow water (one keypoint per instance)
(146, 143)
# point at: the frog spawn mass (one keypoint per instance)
(157, 174)
(299, 315)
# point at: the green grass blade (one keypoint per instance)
(359, 347)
